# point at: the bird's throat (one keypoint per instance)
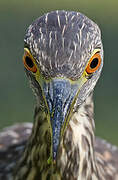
(75, 149)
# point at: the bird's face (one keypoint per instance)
(63, 57)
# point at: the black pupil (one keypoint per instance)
(94, 63)
(29, 62)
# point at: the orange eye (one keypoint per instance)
(93, 64)
(28, 62)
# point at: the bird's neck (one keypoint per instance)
(75, 157)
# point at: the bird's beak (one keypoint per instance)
(60, 95)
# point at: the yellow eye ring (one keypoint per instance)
(28, 61)
(94, 63)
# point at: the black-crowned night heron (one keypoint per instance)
(63, 59)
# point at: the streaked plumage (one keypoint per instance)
(62, 145)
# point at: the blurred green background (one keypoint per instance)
(16, 99)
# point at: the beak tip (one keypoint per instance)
(54, 155)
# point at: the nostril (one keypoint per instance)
(65, 103)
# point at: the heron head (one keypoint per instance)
(63, 58)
